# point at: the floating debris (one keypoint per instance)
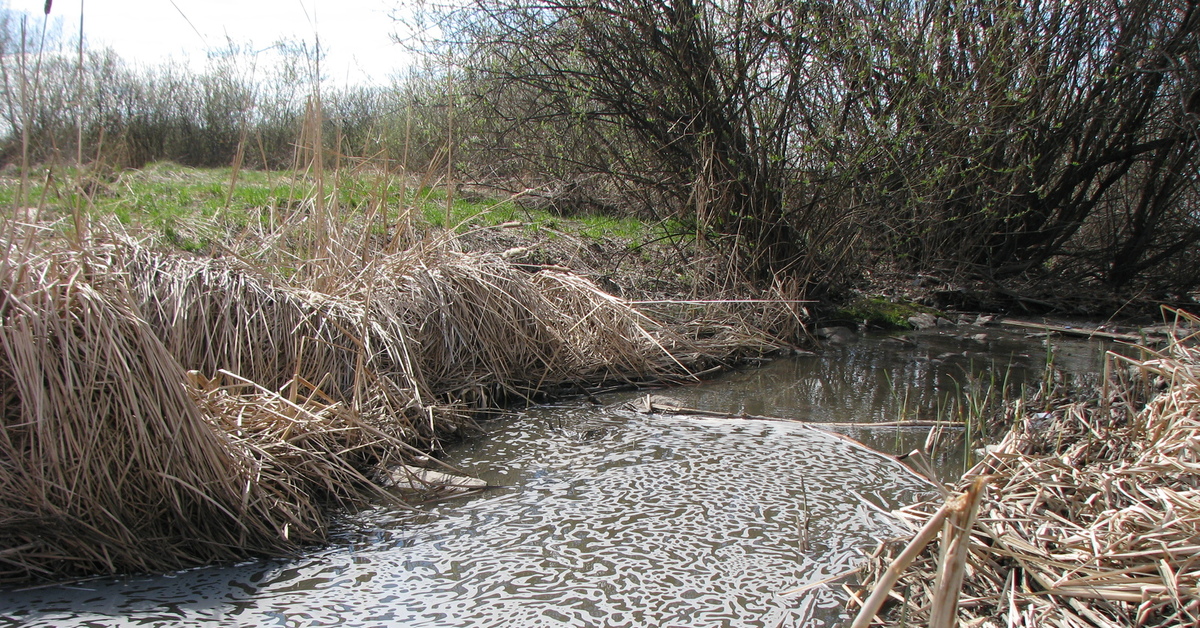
(433, 483)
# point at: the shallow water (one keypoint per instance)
(608, 517)
(915, 376)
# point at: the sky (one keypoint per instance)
(356, 34)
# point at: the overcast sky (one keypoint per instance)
(354, 33)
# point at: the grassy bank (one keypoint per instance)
(1085, 514)
(952, 160)
(196, 208)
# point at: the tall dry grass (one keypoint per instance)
(162, 410)
(109, 464)
(486, 331)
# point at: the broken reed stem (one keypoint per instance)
(883, 587)
(956, 545)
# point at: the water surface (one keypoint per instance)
(607, 517)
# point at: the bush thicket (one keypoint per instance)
(1014, 141)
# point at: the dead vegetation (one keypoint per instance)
(162, 411)
(1091, 515)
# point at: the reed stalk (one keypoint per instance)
(77, 215)
(403, 213)
(1093, 517)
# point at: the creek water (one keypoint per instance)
(606, 517)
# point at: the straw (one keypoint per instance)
(163, 411)
(1093, 516)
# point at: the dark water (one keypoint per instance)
(927, 375)
(612, 518)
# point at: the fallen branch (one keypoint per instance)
(648, 406)
(1080, 332)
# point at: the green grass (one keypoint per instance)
(191, 207)
(465, 213)
(471, 213)
(608, 226)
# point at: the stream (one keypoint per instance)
(603, 516)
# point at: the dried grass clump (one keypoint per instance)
(224, 315)
(421, 328)
(107, 463)
(732, 327)
(164, 411)
(1092, 517)
(480, 331)
(310, 454)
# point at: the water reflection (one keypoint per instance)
(915, 376)
(892, 377)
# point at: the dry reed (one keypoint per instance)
(480, 331)
(162, 411)
(108, 465)
(1093, 512)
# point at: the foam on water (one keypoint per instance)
(614, 519)
(611, 519)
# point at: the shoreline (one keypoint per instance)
(1087, 517)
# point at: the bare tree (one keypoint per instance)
(1021, 138)
(698, 98)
